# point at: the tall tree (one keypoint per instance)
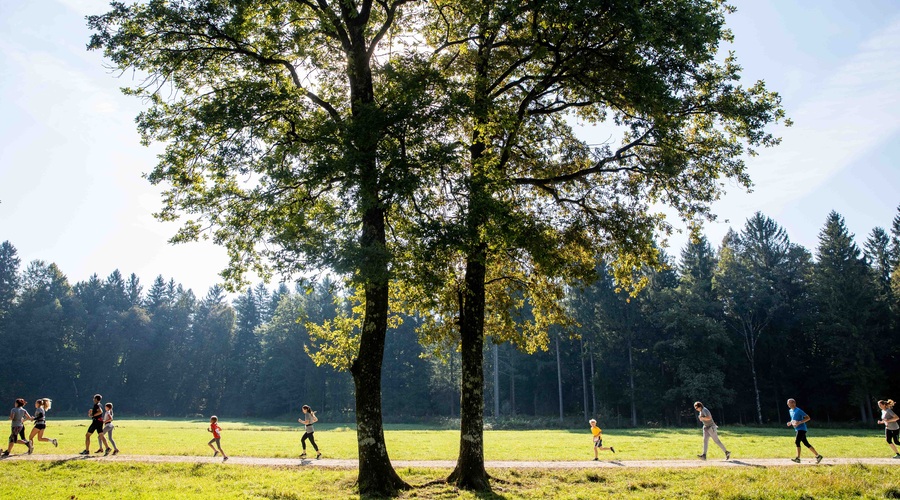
(845, 299)
(535, 196)
(749, 287)
(294, 128)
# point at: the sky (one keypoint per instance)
(71, 165)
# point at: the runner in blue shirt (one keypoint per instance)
(798, 421)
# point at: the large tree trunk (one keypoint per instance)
(376, 474)
(496, 351)
(584, 383)
(559, 380)
(469, 473)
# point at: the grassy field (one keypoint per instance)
(94, 479)
(282, 440)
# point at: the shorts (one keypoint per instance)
(96, 425)
(598, 443)
(40, 425)
(108, 427)
(14, 435)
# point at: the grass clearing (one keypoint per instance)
(260, 438)
(93, 479)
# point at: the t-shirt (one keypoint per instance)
(798, 414)
(216, 430)
(309, 423)
(96, 410)
(888, 413)
(108, 417)
(704, 413)
(597, 433)
(39, 415)
(18, 416)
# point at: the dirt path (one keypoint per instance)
(449, 464)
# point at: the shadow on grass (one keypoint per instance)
(745, 464)
(58, 463)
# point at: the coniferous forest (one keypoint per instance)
(740, 324)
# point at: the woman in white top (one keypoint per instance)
(108, 429)
(891, 427)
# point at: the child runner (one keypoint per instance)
(891, 427)
(96, 414)
(308, 419)
(597, 434)
(710, 430)
(108, 429)
(798, 421)
(217, 435)
(18, 415)
(40, 421)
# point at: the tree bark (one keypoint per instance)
(469, 473)
(377, 476)
(559, 380)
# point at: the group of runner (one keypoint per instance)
(798, 421)
(102, 424)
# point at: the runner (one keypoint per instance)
(217, 436)
(96, 414)
(710, 430)
(108, 429)
(798, 421)
(18, 415)
(40, 421)
(891, 427)
(308, 419)
(597, 434)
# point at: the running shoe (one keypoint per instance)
(99, 451)
(215, 454)
(5, 453)
(107, 452)
(727, 455)
(55, 443)
(796, 460)
(897, 455)
(612, 449)
(303, 455)
(30, 447)
(819, 458)
(224, 458)
(701, 457)
(85, 452)
(318, 455)
(115, 452)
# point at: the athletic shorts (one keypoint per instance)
(892, 435)
(598, 443)
(16, 429)
(108, 427)
(40, 425)
(96, 425)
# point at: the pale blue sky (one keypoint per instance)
(71, 190)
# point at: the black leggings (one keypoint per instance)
(892, 436)
(801, 438)
(308, 435)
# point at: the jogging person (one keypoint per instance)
(18, 415)
(798, 421)
(597, 435)
(108, 428)
(40, 421)
(710, 430)
(891, 427)
(308, 419)
(96, 414)
(217, 437)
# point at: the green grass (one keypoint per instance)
(280, 439)
(79, 479)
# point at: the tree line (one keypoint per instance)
(741, 327)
